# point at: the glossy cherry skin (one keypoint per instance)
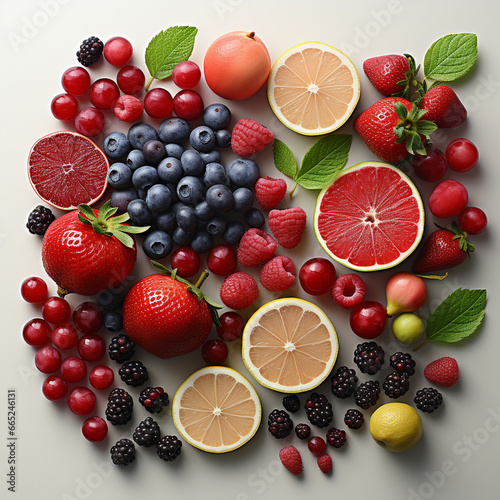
(317, 276)
(231, 328)
(81, 401)
(472, 220)
(34, 290)
(214, 352)
(54, 388)
(95, 429)
(368, 319)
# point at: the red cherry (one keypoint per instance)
(232, 325)
(317, 276)
(54, 388)
(158, 103)
(48, 359)
(462, 155)
(118, 51)
(222, 260)
(130, 79)
(101, 377)
(472, 220)
(91, 347)
(88, 317)
(368, 319)
(89, 121)
(36, 332)
(34, 290)
(186, 261)
(448, 198)
(214, 352)
(316, 445)
(76, 80)
(56, 310)
(64, 336)
(73, 369)
(95, 429)
(81, 401)
(188, 105)
(186, 74)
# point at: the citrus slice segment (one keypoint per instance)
(66, 169)
(216, 409)
(313, 88)
(289, 345)
(370, 217)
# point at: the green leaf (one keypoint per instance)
(451, 57)
(284, 160)
(401, 110)
(123, 238)
(426, 127)
(134, 229)
(87, 212)
(457, 317)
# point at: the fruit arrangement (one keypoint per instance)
(169, 191)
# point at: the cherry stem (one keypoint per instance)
(421, 345)
(293, 189)
(204, 275)
(251, 35)
(433, 276)
(149, 83)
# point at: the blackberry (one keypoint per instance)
(121, 348)
(428, 399)
(319, 410)
(336, 437)
(291, 403)
(169, 448)
(90, 51)
(369, 357)
(154, 399)
(302, 431)
(119, 407)
(403, 363)
(367, 394)
(353, 419)
(344, 382)
(396, 384)
(280, 424)
(123, 452)
(147, 433)
(39, 220)
(133, 373)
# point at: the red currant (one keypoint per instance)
(462, 155)
(214, 352)
(368, 319)
(130, 79)
(76, 80)
(81, 401)
(34, 290)
(158, 103)
(448, 198)
(56, 310)
(73, 369)
(64, 107)
(472, 220)
(95, 429)
(104, 93)
(128, 108)
(118, 51)
(91, 347)
(232, 325)
(54, 388)
(88, 317)
(317, 276)
(89, 121)
(186, 74)
(48, 359)
(186, 261)
(188, 105)
(101, 377)
(64, 336)
(36, 332)
(316, 445)
(431, 167)
(222, 260)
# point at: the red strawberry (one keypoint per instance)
(256, 246)
(443, 107)
(249, 136)
(269, 192)
(239, 291)
(442, 371)
(325, 463)
(87, 251)
(444, 248)
(291, 459)
(387, 72)
(288, 226)
(392, 128)
(278, 274)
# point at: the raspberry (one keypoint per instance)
(239, 291)
(442, 371)
(348, 290)
(288, 226)
(291, 459)
(256, 246)
(269, 192)
(325, 463)
(278, 274)
(249, 136)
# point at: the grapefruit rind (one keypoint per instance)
(403, 255)
(247, 344)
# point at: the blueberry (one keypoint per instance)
(166, 221)
(192, 164)
(174, 150)
(182, 237)
(177, 206)
(170, 170)
(154, 152)
(203, 211)
(255, 218)
(119, 176)
(186, 218)
(216, 225)
(140, 215)
(174, 129)
(190, 190)
(202, 242)
(116, 145)
(173, 193)
(145, 177)
(135, 159)
(158, 198)
(219, 198)
(234, 232)
(113, 321)
(110, 299)
(243, 199)
(215, 173)
(222, 138)
(211, 157)
(216, 116)
(140, 133)
(243, 172)
(122, 197)
(157, 244)
(202, 139)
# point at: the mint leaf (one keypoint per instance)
(457, 317)
(451, 57)
(168, 48)
(284, 160)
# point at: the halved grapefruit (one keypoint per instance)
(371, 217)
(67, 169)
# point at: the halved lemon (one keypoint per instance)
(289, 345)
(313, 88)
(216, 409)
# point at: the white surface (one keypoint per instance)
(53, 460)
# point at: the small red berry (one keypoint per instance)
(158, 103)
(64, 336)
(130, 79)
(88, 317)
(76, 80)
(186, 74)
(54, 388)
(95, 429)
(348, 290)
(128, 108)
(48, 359)
(368, 319)
(34, 290)
(239, 291)
(448, 198)
(64, 107)
(89, 121)
(81, 401)
(56, 310)
(188, 105)
(104, 93)
(214, 352)
(472, 220)
(462, 155)
(118, 51)
(231, 328)
(222, 260)
(36, 332)
(101, 377)
(186, 261)
(91, 347)
(317, 276)
(325, 463)
(316, 445)
(73, 369)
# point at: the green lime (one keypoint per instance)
(408, 328)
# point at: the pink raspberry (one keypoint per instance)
(325, 463)
(249, 136)
(348, 290)
(288, 226)
(239, 291)
(278, 274)
(256, 246)
(269, 192)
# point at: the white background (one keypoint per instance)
(53, 460)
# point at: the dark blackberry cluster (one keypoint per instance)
(403, 363)
(121, 348)
(291, 403)
(353, 419)
(154, 399)
(344, 382)
(367, 394)
(336, 437)
(169, 448)
(123, 452)
(369, 357)
(119, 407)
(319, 410)
(280, 424)
(396, 384)
(133, 373)
(90, 51)
(39, 220)
(428, 399)
(302, 431)
(147, 433)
